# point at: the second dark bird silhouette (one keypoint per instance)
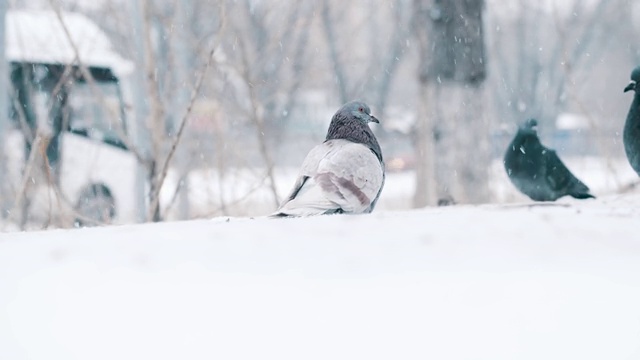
(631, 131)
(537, 171)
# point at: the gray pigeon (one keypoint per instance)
(344, 174)
(537, 171)
(631, 132)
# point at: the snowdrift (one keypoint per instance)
(517, 281)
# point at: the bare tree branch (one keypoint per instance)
(258, 122)
(183, 122)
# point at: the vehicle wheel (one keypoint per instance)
(95, 206)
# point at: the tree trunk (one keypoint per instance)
(141, 109)
(424, 145)
(450, 36)
(183, 10)
(474, 153)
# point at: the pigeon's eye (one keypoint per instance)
(361, 109)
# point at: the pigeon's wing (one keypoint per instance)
(336, 176)
(351, 176)
(559, 177)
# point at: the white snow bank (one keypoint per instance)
(557, 281)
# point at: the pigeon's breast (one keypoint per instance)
(520, 161)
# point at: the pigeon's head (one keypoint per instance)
(635, 79)
(530, 126)
(359, 110)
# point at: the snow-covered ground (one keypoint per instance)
(517, 281)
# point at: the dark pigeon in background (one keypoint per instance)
(631, 132)
(537, 171)
(344, 174)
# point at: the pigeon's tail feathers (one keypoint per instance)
(277, 215)
(582, 196)
(308, 200)
(578, 189)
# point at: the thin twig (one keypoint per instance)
(258, 123)
(20, 195)
(183, 121)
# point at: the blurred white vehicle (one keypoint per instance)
(88, 173)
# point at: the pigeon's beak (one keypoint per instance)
(631, 86)
(373, 119)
